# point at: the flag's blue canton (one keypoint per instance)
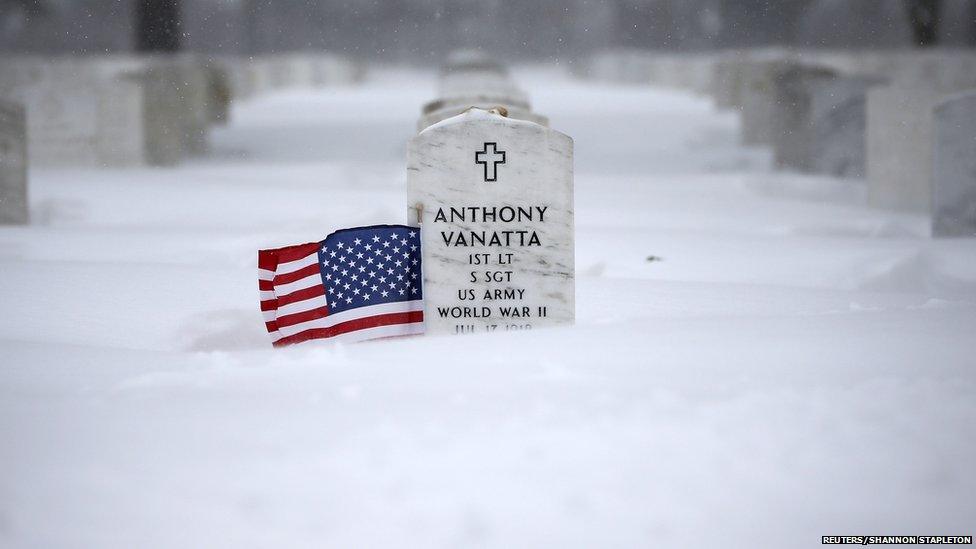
(371, 266)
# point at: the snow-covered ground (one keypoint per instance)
(792, 364)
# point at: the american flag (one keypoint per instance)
(357, 284)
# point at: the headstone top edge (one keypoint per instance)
(454, 100)
(946, 99)
(931, 95)
(477, 114)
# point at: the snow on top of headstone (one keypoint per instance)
(474, 113)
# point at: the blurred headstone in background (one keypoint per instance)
(291, 70)
(329, 69)
(110, 110)
(13, 165)
(899, 147)
(839, 120)
(945, 70)
(62, 102)
(758, 100)
(120, 122)
(218, 93)
(473, 79)
(192, 86)
(727, 79)
(792, 116)
(165, 114)
(954, 167)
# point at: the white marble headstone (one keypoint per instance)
(193, 88)
(61, 101)
(164, 115)
(954, 170)
(86, 112)
(121, 122)
(759, 101)
(727, 82)
(494, 199)
(899, 147)
(792, 108)
(13, 165)
(218, 93)
(839, 112)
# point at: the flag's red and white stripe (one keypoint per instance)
(295, 306)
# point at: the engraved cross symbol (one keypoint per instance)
(490, 160)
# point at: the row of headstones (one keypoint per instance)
(491, 186)
(124, 110)
(112, 110)
(905, 120)
(247, 77)
(686, 71)
(13, 165)
(470, 79)
(128, 110)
